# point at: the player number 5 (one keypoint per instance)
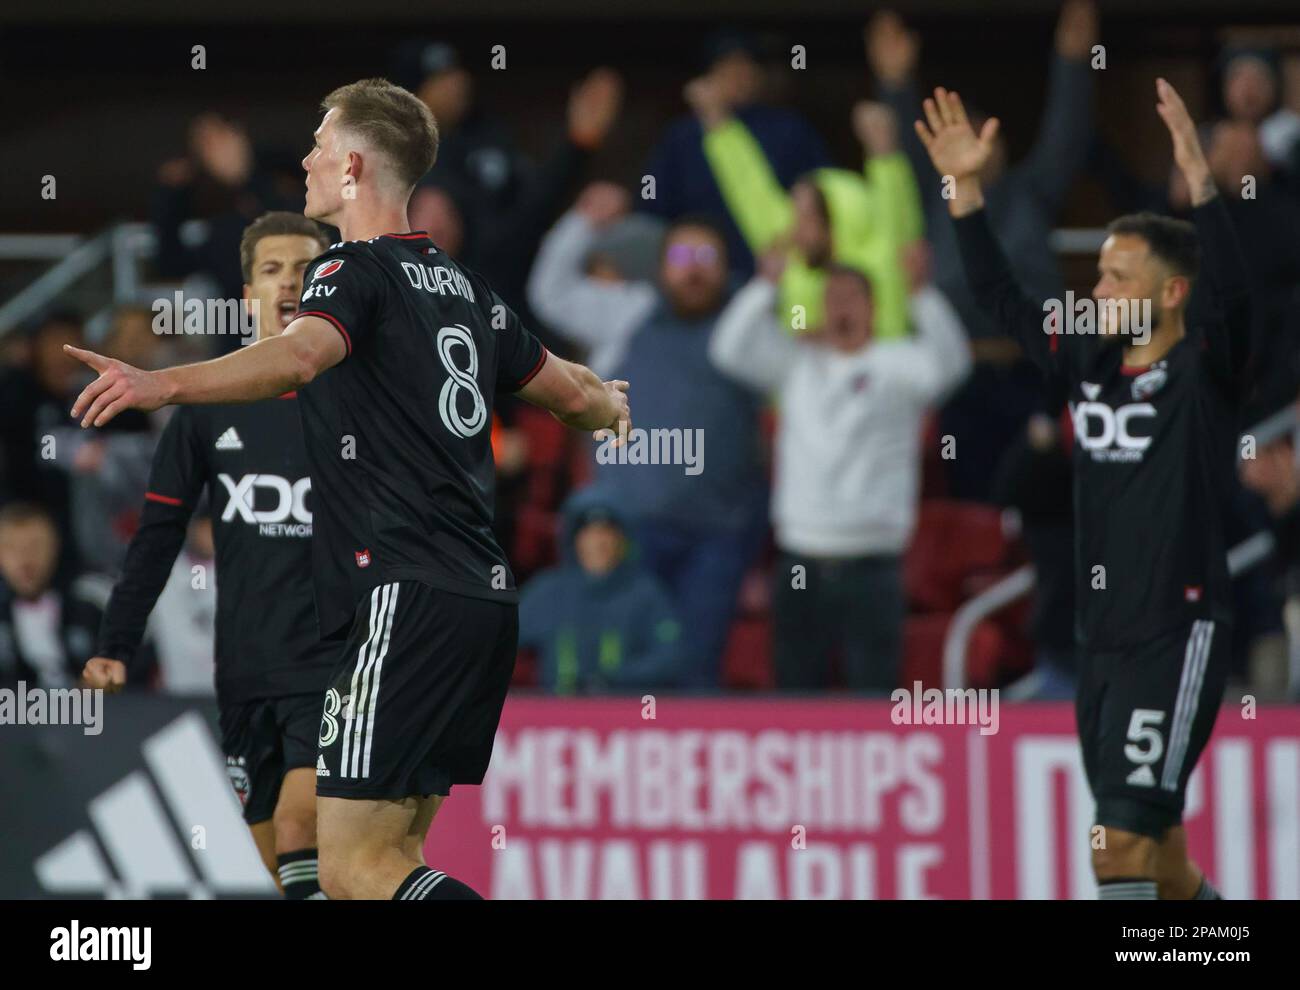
(1142, 732)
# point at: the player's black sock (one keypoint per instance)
(299, 875)
(425, 884)
(1127, 889)
(1206, 891)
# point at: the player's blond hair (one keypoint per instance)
(393, 120)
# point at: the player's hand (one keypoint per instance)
(104, 674)
(892, 50)
(950, 140)
(876, 127)
(1076, 30)
(118, 387)
(593, 107)
(706, 97)
(1188, 155)
(620, 423)
(601, 203)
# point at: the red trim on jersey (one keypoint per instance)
(536, 368)
(164, 499)
(412, 236)
(1133, 369)
(288, 395)
(337, 325)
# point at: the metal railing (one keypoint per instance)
(123, 248)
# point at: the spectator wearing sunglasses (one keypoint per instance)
(696, 524)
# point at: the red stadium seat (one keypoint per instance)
(991, 655)
(747, 662)
(525, 675)
(953, 541)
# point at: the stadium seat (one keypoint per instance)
(991, 656)
(953, 542)
(747, 662)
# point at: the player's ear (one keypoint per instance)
(1176, 290)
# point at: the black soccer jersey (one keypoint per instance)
(1154, 447)
(399, 432)
(252, 462)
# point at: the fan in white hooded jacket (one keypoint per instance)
(849, 435)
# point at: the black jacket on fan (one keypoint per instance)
(252, 462)
(1154, 446)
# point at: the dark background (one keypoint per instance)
(98, 95)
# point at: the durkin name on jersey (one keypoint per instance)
(436, 278)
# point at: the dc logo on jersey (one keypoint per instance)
(363, 558)
(327, 269)
(1105, 432)
(1149, 383)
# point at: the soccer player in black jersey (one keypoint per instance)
(397, 355)
(271, 663)
(1155, 408)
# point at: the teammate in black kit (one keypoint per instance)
(1155, 408)
(271, 664)
(397, 356)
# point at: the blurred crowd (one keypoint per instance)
(866, 451)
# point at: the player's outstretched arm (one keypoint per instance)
(1188, 155)
(958, 155)
(956, 151)
(1227, 329)
(263, 370)
(577, 397)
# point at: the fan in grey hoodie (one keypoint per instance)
(697, 519)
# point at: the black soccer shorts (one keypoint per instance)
(413, 704)
(263, 740)
(1145, 714)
